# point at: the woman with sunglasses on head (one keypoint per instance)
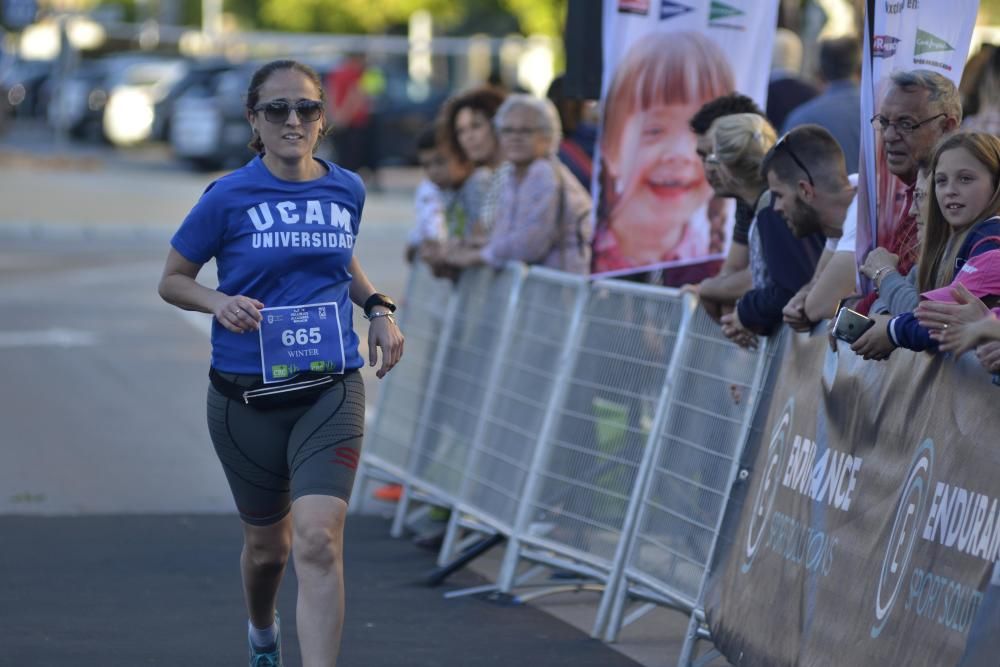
(285, 401)
(780, 263)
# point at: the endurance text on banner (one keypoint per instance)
(871, 523)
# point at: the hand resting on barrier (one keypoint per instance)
(734, 330)
(794, 312)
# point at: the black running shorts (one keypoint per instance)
(271, 457)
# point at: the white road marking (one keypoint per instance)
(47, 338)
(113, 274)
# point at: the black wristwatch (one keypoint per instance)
(377, 299)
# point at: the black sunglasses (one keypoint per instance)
(278, 111)
(784, 141)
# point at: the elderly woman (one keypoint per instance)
(543, 213)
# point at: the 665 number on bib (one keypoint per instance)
(295, 339)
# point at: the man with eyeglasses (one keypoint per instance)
(919, 108)
(812, 191)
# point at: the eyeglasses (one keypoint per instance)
(518, 131)
(308, 111)
(902, 126)
(784, 141)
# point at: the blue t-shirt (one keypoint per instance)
(284, 243)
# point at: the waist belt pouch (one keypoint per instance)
(303, 389)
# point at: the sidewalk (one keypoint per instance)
(164, 590)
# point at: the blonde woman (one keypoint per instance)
(780, 264)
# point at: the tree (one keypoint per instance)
(378, 16)
(545, 17)
(337, 16)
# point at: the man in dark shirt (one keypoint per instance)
(838, 107)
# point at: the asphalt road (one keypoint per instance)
(118, 544)
(164, 590)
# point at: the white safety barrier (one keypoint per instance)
(548, 311)
(597, 432)
(597, 426)
(679, 505)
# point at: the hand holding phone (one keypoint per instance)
(850, 324)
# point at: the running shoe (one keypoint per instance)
(269, 656)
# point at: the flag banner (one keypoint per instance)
(663, 59)
(901, 35)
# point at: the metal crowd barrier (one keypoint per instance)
(469, 354)
(596, 437)
(678, 507)
(425, 316)
(548, 311)
(732, 507)
(597, 426)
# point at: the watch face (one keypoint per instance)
(380, 300)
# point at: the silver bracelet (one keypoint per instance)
(375, 316)
(877, 277)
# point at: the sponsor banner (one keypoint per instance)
(663, 59)
(870, 523)
(901, 35)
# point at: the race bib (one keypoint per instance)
(295, 339)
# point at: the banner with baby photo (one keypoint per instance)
(901, 35)
(663, 59)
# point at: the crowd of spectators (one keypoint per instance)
(508, 179)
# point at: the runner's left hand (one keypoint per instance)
(386, 336)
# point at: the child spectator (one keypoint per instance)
(962, 220)
(431, 194)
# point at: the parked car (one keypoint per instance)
(207, 127)
(24, 82)
(199, 74)
(77, 105)
(130, 113)
(400, 113)
(137, 83)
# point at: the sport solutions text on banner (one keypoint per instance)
(663, 59)
(871, 521)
